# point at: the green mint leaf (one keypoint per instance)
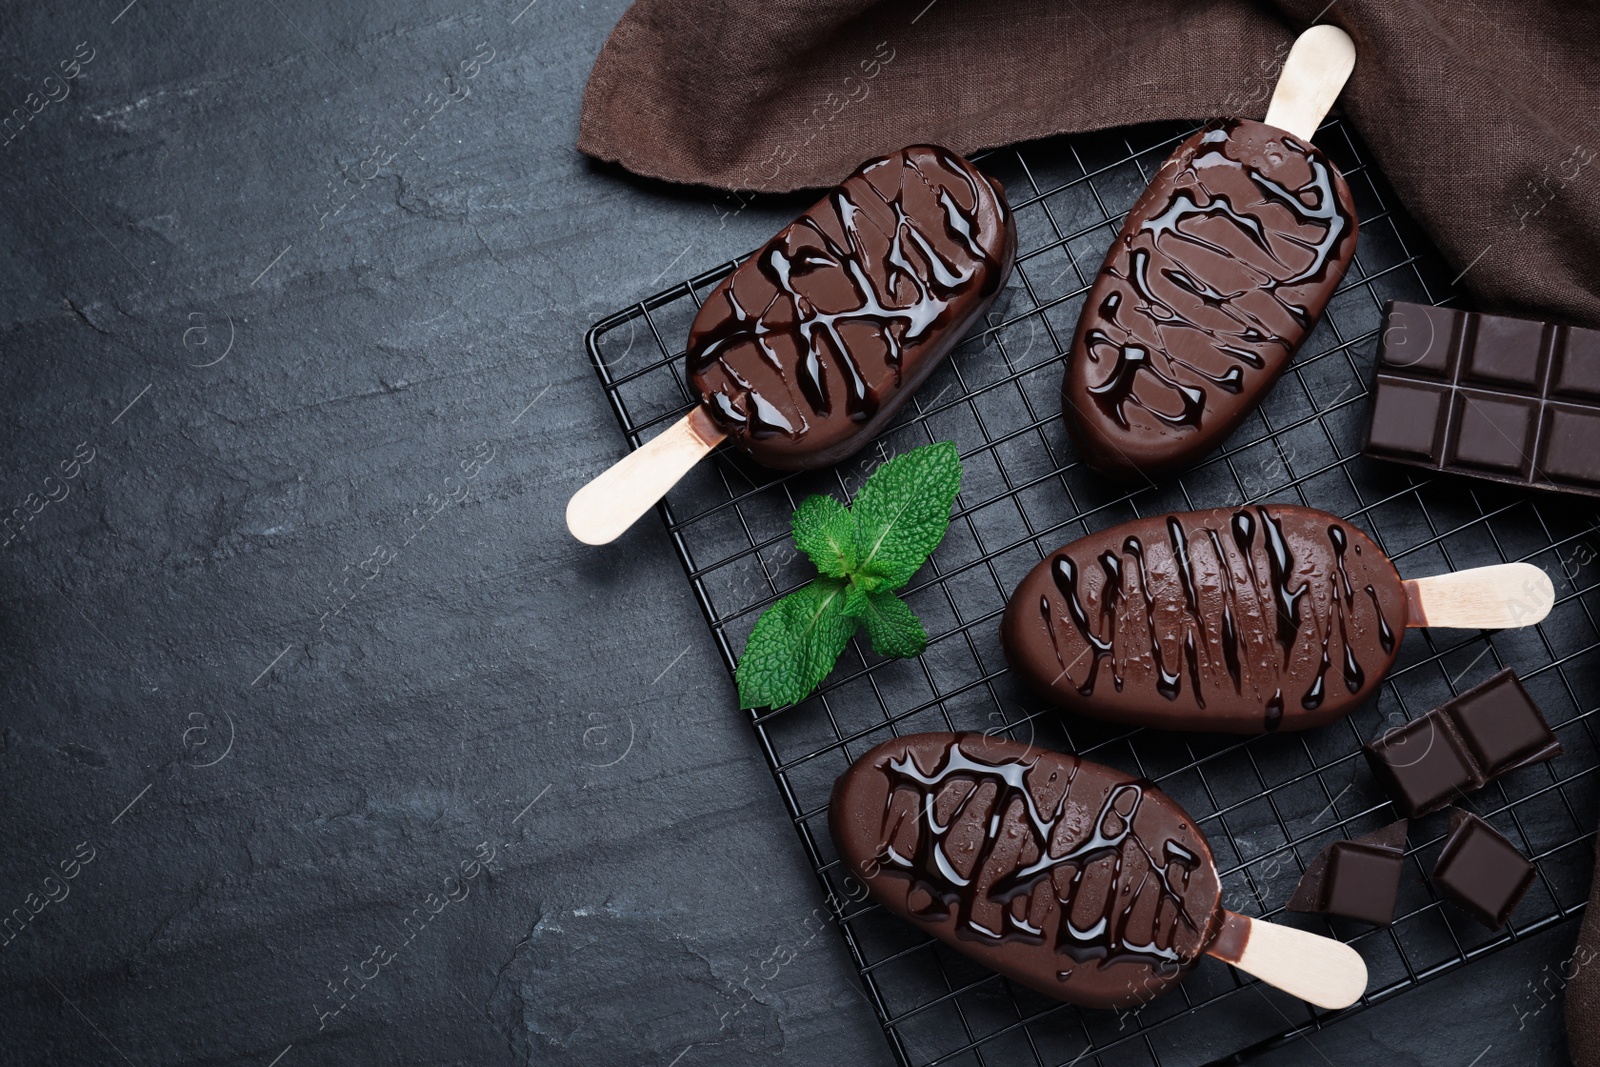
(855, 601)
(902, 513)
(825, 531)
(894, 629)
(794, 645)
(863, 553)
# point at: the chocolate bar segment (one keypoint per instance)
(1420, 338)
(1422, 765)
(1482, 871)
(1409, 418)
(1357, 879)
(1069, 877)
(1489, 396)
(1502, 726)
(1462, 745)
(1221, 270)
(1569, 451)
(803, 353)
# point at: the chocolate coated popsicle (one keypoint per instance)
(1066, 876)
(1221, 269)
(1234, 619)
(805, 352)
(1059, 873)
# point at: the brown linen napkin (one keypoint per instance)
(1581, 972)
(1485, 116)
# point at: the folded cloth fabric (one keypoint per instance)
(1485, 116)
(1581, 972)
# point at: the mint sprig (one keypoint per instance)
(863, 553)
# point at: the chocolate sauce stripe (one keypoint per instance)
(1139, 1031)
(1415, 852)
(709, 277)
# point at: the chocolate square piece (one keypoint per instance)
(1363, 882)
(1357, 879)
(1407, 418)
(1578, 365)
(1493, 432)
(1569, 450)
(1481, 871)
(1419, 338)
(1421, 766)
(1507, 350)
(1501, 725)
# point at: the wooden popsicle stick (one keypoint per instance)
(1317, 969)
(1482, 598)
(1318, 66)
(598, 513)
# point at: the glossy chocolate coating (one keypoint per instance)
(1223, 266)
(1234, 619)
(803, 354)
(1069, 877)
(1487, 396)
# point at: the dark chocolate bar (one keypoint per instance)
(1357, 879)
(1510, 400)
(1481, 871)
(1461, 746)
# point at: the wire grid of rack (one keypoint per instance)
(1267, 803)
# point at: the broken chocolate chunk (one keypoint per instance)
(1357, 879)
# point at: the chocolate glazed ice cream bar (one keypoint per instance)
(1239, 620)
(1221, 270)
(804, 353)
(1066, 876)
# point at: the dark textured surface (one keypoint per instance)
(649, 911)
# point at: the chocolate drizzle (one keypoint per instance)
(1065, 573)
(1354, 676)
(1385, 635)
(1220, 270)
(1120, 925)
(811, 343)
(1280, 563)
(1226, 615)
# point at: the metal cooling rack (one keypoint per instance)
(1268, 803)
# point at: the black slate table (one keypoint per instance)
(352, 753)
